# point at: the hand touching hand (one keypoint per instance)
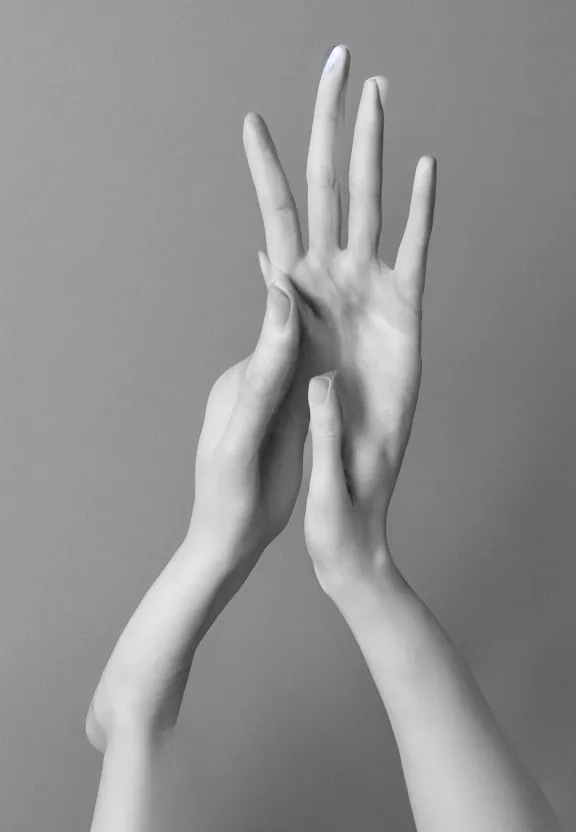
(359, 316)
(248, 473)
(247, 479)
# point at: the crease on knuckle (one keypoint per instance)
(330, 429)
(284, 209)
(326, 179)
(330, 117)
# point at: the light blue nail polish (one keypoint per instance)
(333, 58)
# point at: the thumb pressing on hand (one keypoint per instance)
(332, 527)
(268, 374)
(329, 505)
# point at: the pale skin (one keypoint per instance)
(352, 314)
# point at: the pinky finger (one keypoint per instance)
(410, 266)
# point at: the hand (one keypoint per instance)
(360, 316)
(249, 456)
(247, 480)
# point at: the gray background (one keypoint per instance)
(130, 281)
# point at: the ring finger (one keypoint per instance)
(365, 177)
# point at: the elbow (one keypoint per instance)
(107, 718)
(95, 732)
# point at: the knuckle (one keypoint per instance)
(330, 432)
(330, 117)
(324, 178)
(329, 426)
(284, 209)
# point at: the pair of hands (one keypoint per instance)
(351, 316)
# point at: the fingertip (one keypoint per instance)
(337, 55)
(430, 180)
(252, 119)
(428, 165)
(328, 53)
(382, 84)
(252, 125)
(424, 183)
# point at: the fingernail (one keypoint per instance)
(279, 306)
(381, 85)
(319, 389)
(333, 58)
(372, 84)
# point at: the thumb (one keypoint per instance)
(327, 480)
(268, 373)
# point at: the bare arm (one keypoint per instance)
(461, 772)
(248, 473)
(129, 772)
(136, 703)
(145, 678)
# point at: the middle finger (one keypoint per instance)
(324, 209)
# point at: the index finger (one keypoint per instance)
(277, 205)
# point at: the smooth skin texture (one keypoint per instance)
(240, 504)
(362, 317)
(352, 314)
(461, 772)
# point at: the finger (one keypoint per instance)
(277, 205)
(324, 205)
(267, 376)
(410, 266)
(365, 177)
(327, 480)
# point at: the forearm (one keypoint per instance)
(147, 672)
(127, 792)
(461, 772)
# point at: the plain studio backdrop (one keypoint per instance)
(130, 281)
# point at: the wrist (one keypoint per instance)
(358, 589)
(220, 567)
(218, 536)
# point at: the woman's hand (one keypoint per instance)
(249, 457)
(248, 474)
(360, 316)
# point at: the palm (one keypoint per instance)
(361, 325)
